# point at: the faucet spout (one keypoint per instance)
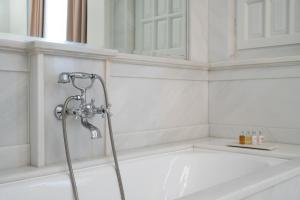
(95, 132)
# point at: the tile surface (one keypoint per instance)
(262, 99)
(14, 108)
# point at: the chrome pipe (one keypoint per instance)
(66, 144)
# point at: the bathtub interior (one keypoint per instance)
(156, 177)
(182, 173)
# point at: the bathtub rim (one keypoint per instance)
(24, 173)
(250, 184)
(61, 168)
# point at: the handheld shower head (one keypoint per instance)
(64, 77)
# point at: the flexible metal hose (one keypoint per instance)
(69, 161)
(122, 193)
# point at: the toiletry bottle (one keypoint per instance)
(248, 138)
(254, 138)
(260, 138)
(242, 138)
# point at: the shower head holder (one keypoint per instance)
(67, 77)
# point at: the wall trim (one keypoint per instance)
(158, 61)
(283, 72)
(157, 72)
(12, 45)
(30, 45)
(69, 49)
(14, 69)
(36, 111)
(256, 63)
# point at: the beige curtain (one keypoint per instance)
(37, 18)
(77, 21)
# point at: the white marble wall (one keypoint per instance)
(154, 105)
(259, 98)
(81, 145)
(14, 89)
(151, 105)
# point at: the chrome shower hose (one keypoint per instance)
(69, 161)
(67, 151)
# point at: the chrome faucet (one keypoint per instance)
(85, 110)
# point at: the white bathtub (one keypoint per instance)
(185, 174)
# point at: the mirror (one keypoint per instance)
(147, 27)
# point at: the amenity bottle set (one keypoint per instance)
(251, 138)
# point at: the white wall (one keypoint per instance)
(157, 104)
(261, 98)
(14, 76)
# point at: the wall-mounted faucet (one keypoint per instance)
(85, 111)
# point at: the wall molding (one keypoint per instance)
(157, 72)
(271, 68)
(158, 61)
(13, 45)
(30, 45)
(36, 111)
(69, 49)
(284, 72)
(255, 63)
